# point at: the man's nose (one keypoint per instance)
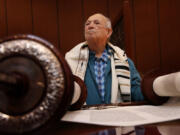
(91, 26)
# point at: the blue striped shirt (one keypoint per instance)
(100, 65)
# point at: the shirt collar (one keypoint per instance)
(105, 55)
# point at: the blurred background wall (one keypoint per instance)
(150, 28)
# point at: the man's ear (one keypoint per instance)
(109, 33)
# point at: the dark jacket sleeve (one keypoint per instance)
(136, 94)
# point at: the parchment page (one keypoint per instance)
(127, 116)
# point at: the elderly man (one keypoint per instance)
(109, 75)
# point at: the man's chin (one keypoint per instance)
(91, 36)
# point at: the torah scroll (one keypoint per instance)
(167, 85)
(158, 88)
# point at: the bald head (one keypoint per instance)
(106, 19)
(97, 31)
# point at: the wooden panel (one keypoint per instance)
(3, 25)
(129, 30)
(170, 33)
(115, 10)
(19, 18)
(45, 20)
(95, 6)
(70, 24)
(147, 35)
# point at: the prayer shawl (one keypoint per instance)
(78, 57)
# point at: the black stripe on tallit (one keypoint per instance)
(125, 95)
(126, 77)
(121, 67)
(116, 59)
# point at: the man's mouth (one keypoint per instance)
(91, 31)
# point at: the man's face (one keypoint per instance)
(95, 28)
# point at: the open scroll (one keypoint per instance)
(165, 85)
